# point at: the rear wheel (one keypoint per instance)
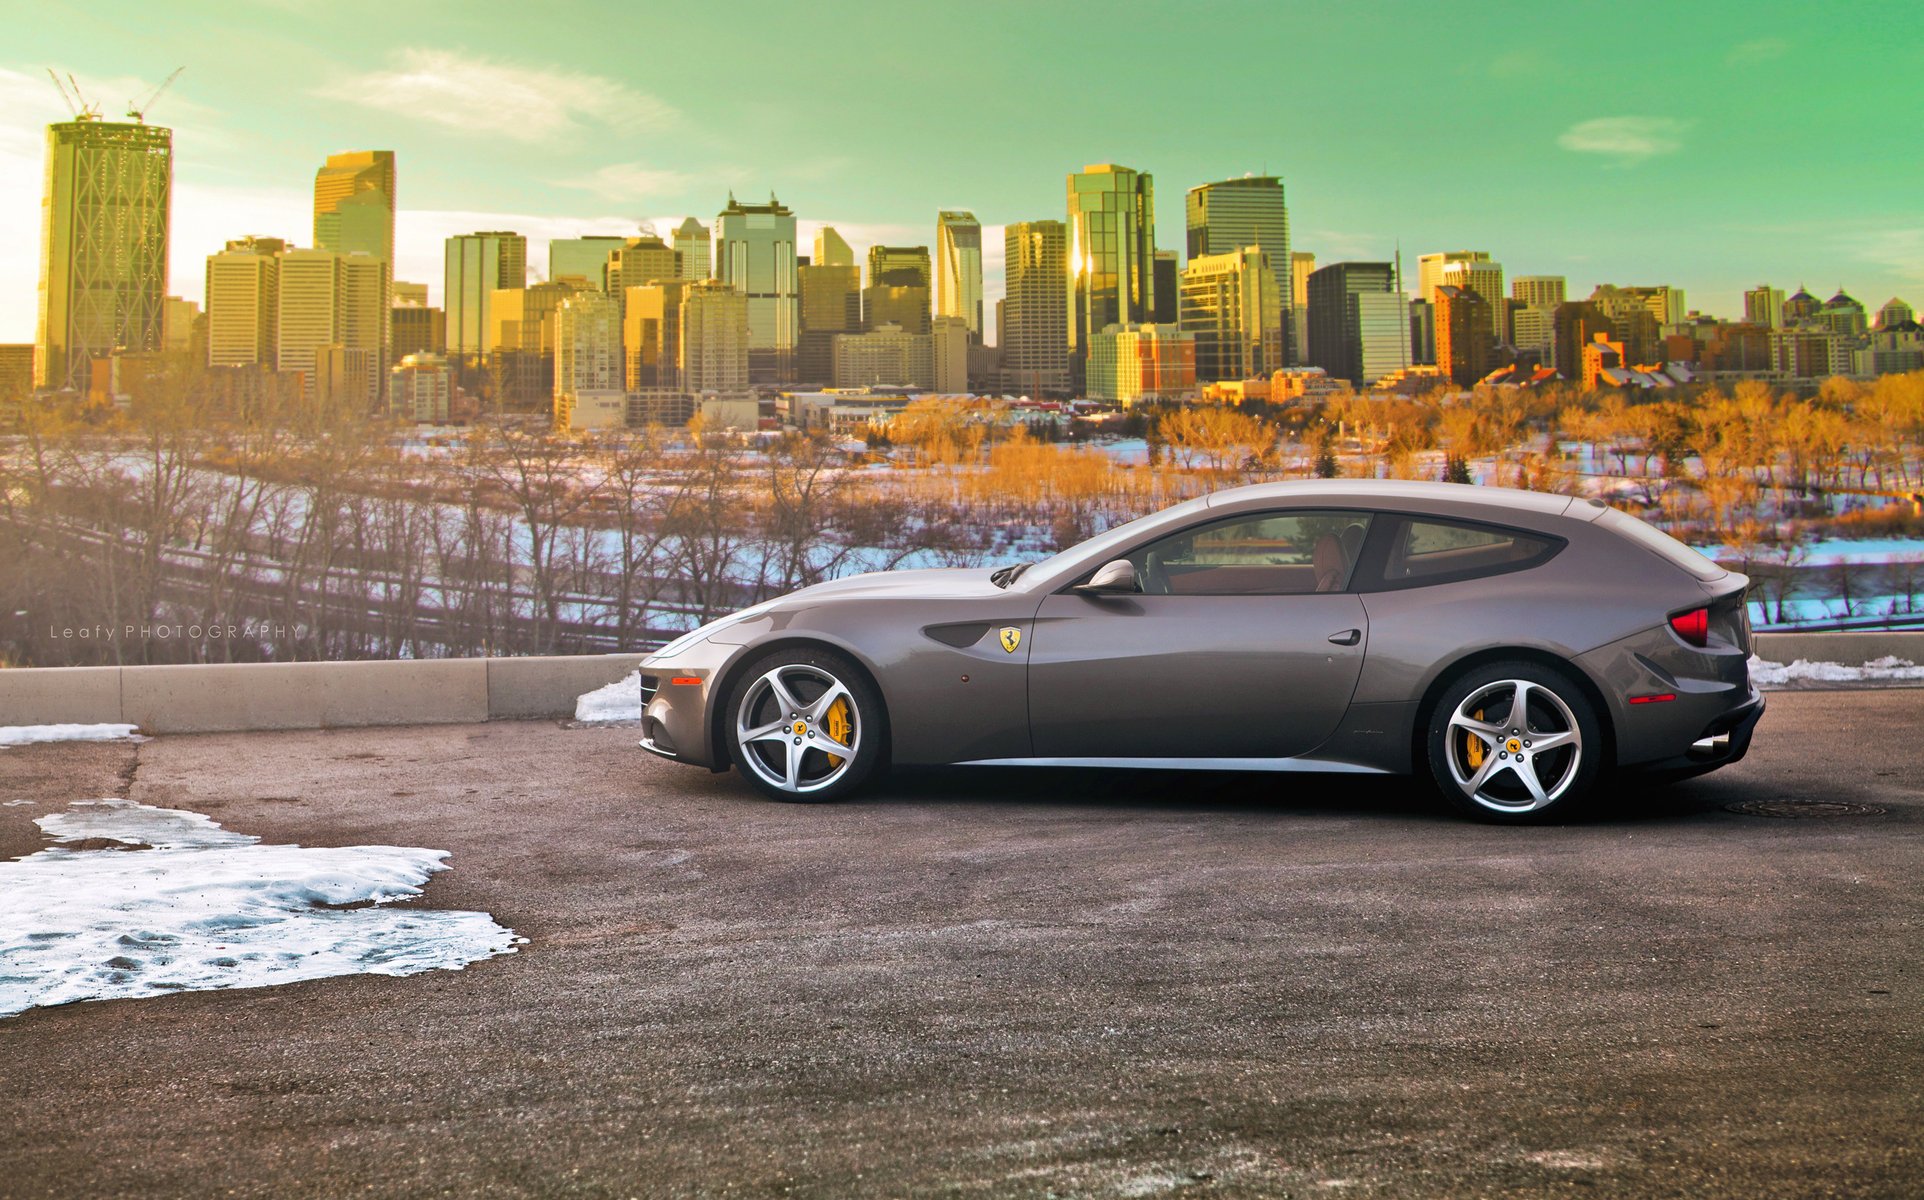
(1515, 742)
(804, 725)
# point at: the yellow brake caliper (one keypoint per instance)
(1473, 750)
(838, 726)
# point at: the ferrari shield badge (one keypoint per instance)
(1011, 638)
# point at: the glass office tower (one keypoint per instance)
(1112, 251)
(756, 256)
(103, 264)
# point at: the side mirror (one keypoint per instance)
(1116, 578)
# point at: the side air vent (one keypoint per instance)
(959, 636)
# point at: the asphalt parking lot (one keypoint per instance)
(1033, 984)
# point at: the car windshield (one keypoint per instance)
(1120, 535)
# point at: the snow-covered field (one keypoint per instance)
(142, 901)
(25, 735)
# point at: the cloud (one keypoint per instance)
(632, 180)
(1629, 140)
(475, 94)
(1759, 50)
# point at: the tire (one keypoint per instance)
(779, 744)
(1475, 748)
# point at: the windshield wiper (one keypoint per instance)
(1009, 574)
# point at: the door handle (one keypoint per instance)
(1349, 637)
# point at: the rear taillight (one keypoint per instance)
(1693, 626)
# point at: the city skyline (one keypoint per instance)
(1713, 166)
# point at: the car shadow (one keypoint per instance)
(1626, 801)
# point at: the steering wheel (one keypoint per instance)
(1155, 580)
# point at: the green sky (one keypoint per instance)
(1707, 146)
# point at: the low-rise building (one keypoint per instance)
(1133, 363)
(420, 388)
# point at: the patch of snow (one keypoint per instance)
(22, 735)
(185, 905)
(617, 702)
(1772, 674)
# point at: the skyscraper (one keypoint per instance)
(898, 288)
(1359, 325)
(1168, 278)
(583, 258)
(697, 254)
(1112, 251)
(717, 341)
(1231, 305)
(519, 346)
(477, 265)
(1485, 278)
(243, 303)
(1224, 217)
(587, 355)
(177, 321)
(332, 301)
(651, 335)
(831, 250)
(1764, 305)
(354, 214)
(1429, 269)
(1637, 316)
(1301, 266)
(958, 269)
(1465, 345)
(634, 261)
(354, 204)
(103, 255)
(949, 341)
(756, 244)
(831, 304)
(1538, 291)
(1577, 324)
(1035, 314)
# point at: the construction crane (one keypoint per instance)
(76, 103)
(139, 111)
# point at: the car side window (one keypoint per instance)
(1265, 554)
(1425, 550)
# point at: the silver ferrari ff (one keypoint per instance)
(1513, 647)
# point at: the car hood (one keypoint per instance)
(933, 583)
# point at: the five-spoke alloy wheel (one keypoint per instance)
(804, 725)
(1514, 742)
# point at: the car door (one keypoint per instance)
(1243, 642)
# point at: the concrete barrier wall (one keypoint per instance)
(327, 695)
(308, 695)
(1852, 649)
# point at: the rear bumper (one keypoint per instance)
(1724, 740)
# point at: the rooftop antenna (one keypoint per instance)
(139, 111)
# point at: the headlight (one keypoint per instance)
(695, 637)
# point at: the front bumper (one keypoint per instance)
(677, 703)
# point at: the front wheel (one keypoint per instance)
(1515, 742)
(804, 725)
